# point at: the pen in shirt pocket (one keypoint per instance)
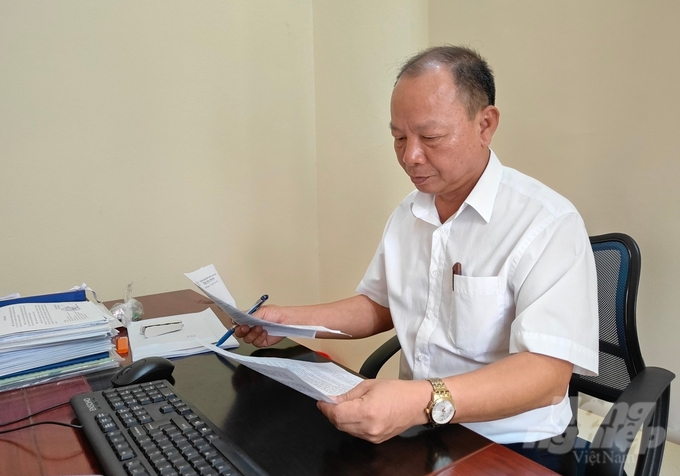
(456, 271)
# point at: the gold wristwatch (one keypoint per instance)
(440, 411)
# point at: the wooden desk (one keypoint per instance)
(279, 428)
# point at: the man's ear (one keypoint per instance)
(488, 123)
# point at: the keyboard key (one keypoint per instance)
(135, 468)
(162, 464)
(115, 437)
(201, 445)
(159, 424)
(167, 393)
(128, 422)
(181, 464)
(126, 454)
(145, 419)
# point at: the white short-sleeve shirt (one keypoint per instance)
(527, 283)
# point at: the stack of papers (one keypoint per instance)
(175, 336)
(40, 342)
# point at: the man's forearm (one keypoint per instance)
(516, 384)
(357, 316)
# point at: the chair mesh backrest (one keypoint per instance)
(612, 260)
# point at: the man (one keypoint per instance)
(486, 275)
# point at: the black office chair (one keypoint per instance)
(641, 395)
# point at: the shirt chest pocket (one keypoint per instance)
(476, 322)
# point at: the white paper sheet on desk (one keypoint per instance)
(318, 380)
(210, 282)
(202, 325)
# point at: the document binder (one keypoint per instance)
(68, 296)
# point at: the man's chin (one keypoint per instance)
(425, 187)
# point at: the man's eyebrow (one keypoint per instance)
(428, 125)
(420, 127)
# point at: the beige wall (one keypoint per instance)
(146, 140)
(142, 140)
(358, 47)
(589, 100)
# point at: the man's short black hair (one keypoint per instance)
(471, 73)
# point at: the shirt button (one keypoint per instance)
(420, 357)
(435, 273)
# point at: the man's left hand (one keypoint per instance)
(377, 410)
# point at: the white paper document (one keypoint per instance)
(200, 325)
(210, 282)
(39, 318)
(10, 296)
(321, 381)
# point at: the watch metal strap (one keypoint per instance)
(438, 386)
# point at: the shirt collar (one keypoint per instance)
(481, 198)
(423, 207)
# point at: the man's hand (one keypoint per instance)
(357, 316)
(257, 335)
(377, 410)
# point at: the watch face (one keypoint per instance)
(442, 412)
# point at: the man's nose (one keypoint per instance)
(413, 153)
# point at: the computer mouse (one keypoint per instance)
(145, 370)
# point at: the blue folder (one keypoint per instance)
(68, 296)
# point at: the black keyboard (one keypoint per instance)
(149, 429)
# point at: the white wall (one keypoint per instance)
(142, 140)
(589, 100)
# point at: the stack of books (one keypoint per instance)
(45, 338)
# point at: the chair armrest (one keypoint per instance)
(631, 410)
(377, 359)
